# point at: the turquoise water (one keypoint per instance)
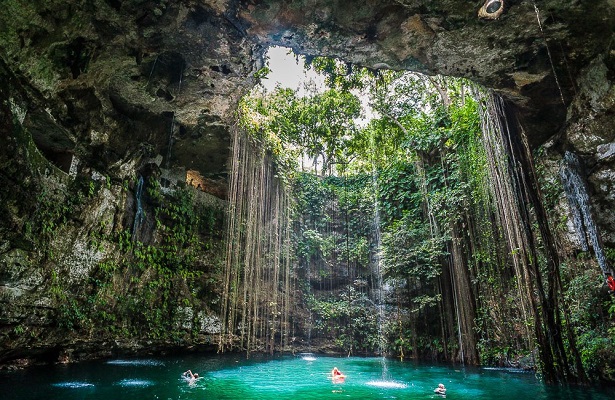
(292, 377)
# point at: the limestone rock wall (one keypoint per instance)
(590, 133)
(95, 93)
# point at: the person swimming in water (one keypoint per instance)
(440, 390)
(190, 377)
(336, 375)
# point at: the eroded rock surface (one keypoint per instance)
(105, 90)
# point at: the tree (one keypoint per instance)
(316, 126)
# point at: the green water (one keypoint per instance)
(292, 377)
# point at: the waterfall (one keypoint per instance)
(256, 293)
(139, 209)
(379, 295)
(575, 187)
(379, 288)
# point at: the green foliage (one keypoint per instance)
(418, 174)
(262, 73)
(410, 250)
(55, 208)
(551, 188)
(165, 273)
(591, 314)
(181, 225)
(350, 317)
(316, 126)
(71, 315)
(320, 240)
(399, 192)
(610, 254)
(19, 330)
(597, 355)
(417, 169)
(342, 76)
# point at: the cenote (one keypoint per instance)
(303, 376)
(440, 190)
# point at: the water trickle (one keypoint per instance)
(172, 130)
(149, 78)
(139, 208)
(549, 53)
(379, 290)
(170, 142)
(571, 172)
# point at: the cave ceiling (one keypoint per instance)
(120, 80)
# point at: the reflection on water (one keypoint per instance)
(510, 370)
(73, 385)
(308, 357)
(132, 363)
(135, 382)
(305, 376)
(388, 384)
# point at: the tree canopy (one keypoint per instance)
(393, 188)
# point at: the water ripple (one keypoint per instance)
(148, 363)
(135, 382)
(73, 385)
(387, 384)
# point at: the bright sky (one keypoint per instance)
(287, 70)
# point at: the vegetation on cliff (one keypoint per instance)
(413, 196)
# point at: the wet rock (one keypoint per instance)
(126, 87)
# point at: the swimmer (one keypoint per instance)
(336, 375)
(190, 377)
(440, 390)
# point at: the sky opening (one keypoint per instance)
(288, 71)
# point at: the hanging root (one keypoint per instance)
(492, 9)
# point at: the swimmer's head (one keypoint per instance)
(440, 386)
(196, 375)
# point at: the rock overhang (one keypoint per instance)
(173, 72)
